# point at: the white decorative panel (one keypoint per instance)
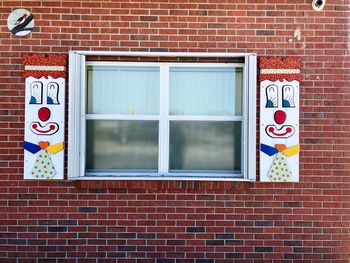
(44, 119)
(279, 120)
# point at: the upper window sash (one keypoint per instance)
(165, 68)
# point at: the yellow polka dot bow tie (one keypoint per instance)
(279, 170)
(43, 167)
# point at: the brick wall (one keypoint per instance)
(179, 221)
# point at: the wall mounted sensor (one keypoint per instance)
(318, 5)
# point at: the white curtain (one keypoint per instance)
(123, 90)
(206, 91)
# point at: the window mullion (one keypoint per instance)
(121, 117)
(205, 118)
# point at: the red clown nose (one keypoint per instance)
(44, 114)
(280, 117)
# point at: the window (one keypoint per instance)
(162, 119)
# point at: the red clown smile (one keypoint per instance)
(48, 129)
(284, 132)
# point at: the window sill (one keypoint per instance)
(130, 184)
(160, 178)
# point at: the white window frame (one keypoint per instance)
(78, 117)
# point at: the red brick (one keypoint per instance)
(263, 216)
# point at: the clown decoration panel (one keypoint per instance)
(44, 116)
(279, 119)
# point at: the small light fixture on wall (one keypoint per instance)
(20, 22)
(318, 5)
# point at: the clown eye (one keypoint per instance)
(36, 93)
(288, 96)
(52, 93)
(271, 96)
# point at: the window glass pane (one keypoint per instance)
(122, 90)
(206, 91)
(122, 145)
(205, 146)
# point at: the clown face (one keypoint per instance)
(44, 129)
(280, 100)
(279, 131)
(42, 97)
